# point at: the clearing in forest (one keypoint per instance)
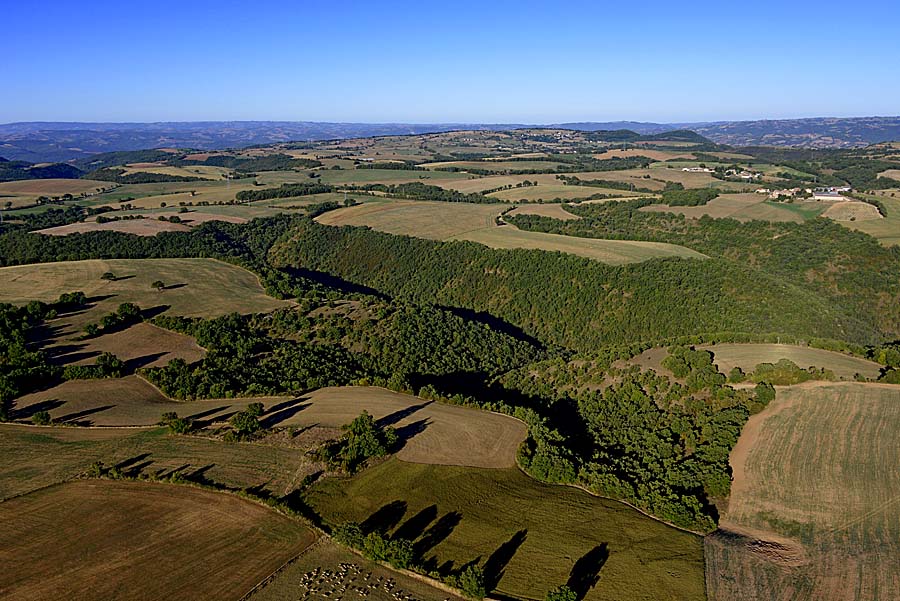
(748, 356)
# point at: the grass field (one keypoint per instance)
(139, 227)
(887, 230)
(433, 432)
(131, 541)
(745, 207)
(817, 469)
(530, 537)
(195, 287)
(546, 192)
(554, 210)
(476, 223)
(852, 211)
(748, 356)
(26, 192)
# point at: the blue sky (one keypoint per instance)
(488, 61)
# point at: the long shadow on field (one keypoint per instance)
(93, 300)
(495, 566)
(154, 311)
(134, 364)
(397, 416)
(128, 464)
(175, 286)
(74, 357)
(410, 431)
(585, 573)
(75, 418)
(437, 534)
(282, 412)
(30, 410)
(208, 412)
(385, 518)
(415, 526)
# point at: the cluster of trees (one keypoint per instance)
(285, 191)
(603, 183)
(420, 191)
(21, 369)
(783, 373)
(688, 198)
(271, 162)
(125, 315)
(363, 439)
(107, 365)
(118, 175)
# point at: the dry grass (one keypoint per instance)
(140, 227)
(495, 165)
(555, 210)
(546, 192)
(852, 210)
(26, 192)
(748, 356)
(818, 469)
(195, 287)
(131, 540)
(202, 171)
(142, 345)
(743, 207)
(887, 230)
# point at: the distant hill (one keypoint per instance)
(58, 142)
(18, 170)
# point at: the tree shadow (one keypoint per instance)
(208, 412)
(410, 431)
(585, 573)
(413, 528)
(494, 322)
(284, 411)
(385, 518)
(397, 416)
(332, 281)
(495, 566)
(437, 533)
(154, 311)
(132, 365)
(122, 278)
(30, 410)
(175, 286)
(75, 418)
(93, 300)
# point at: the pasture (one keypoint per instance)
(433, 432)
(477, 223)
(745, 207)
(132, 540)
(138, 227)
(852, 211)
(748, 356)
(26, 192)
(886, 230)
(194, 287)
(817, 470)
(529, 537)
(554, 210)
(656, 155)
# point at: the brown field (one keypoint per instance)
(140, 227)
(132, 540)
(555, 210)
(328, 563)
(748, 356)
(202, 171)
(656, 155)
(495, 165)
(817, 470)
(887, 230)
(195, 287)
(192, 217)
(434, 220)
(435, 433)
(852, 211)
(743, 207)
(26, 192)
(476, 223)
(547, 192)
(891, 174)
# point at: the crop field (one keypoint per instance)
(546, 193)
(612, 252)
(494, 165)
(748, 356)
(31, 458)
(434, 220)
(359, 176)
(528, 536)
(476, 223)
(139, 227)
(132, 540)
(327, 566)
(852, 211)
(194, 287)
(433, 432)
(555, 210)
(887, 230)
(26, 192)
(209, 172)
(140, 345)
(817, 469)
(656, 155)
(745, 207)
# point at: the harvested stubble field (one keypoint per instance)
(477, 223)
(97, 539)
(26, 192)
(529, 537)
(327, 566)
(194, 287)
(554, 210)
(817, 469)
(546, 192)
(433, 432)
(745, 207)
(140, 227)
(748, 356)
(852, 211)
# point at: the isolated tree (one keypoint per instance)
(158, 284)
(561, 593)
(41, 418)
(177, 425)
(108, 276)
(245, 423)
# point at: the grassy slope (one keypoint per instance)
(560, 526)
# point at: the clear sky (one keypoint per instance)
(488, 61)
